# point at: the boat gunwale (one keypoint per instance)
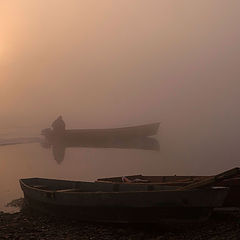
(114, 192)
(144, 130)
(115, 128)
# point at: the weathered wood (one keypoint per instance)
(120, 202)
(212, 179)
(231, 181)
(168, 180)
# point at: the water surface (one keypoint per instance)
(176, 156)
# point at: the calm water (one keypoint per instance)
(177, 155)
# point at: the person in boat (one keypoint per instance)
(58, 125)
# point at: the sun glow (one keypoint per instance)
(3, 51)
(5, 33)
(11, 21)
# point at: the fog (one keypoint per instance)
(115, 63)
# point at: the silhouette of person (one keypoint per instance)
(58, 126)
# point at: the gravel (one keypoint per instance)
(26, 225)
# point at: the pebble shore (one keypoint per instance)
(25, 225)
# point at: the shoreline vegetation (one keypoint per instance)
(28, 225)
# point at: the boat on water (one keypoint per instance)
(230, 179)
(108, 202)
(99, 134)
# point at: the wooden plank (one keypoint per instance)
(69, 190)
(212, 179)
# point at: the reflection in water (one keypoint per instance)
(58, 151)
(59, 147)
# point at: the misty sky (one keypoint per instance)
(116, 62)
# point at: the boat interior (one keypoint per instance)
(169, 180)
(79, 186)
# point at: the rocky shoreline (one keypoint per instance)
(25, 225)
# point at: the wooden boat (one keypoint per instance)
(99, 134)
(107, 202)
(230, 179)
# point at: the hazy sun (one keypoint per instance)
(4, 52)
(9, 28)
(1, 52)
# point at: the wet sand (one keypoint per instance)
(25, 225)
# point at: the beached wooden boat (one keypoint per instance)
(231, 181)
(107, 202)
(98, 134)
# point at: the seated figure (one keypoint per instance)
(58, 125)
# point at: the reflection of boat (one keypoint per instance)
(99, 134)
(145, 143)
(229, 179)
(107, 202)
(59, 147)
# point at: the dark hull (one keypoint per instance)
(122, 214)
(103, 202)
(232, 199)
(100, 134)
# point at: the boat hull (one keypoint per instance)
(232, 199)
(99, 134)
(111, 203)
(122, 214)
